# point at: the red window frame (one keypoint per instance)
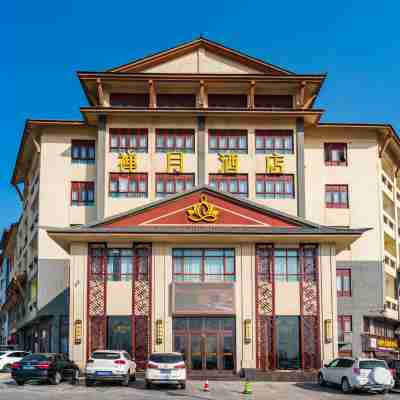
(215, 180)
(126, 133)
(274, 179)
(264, 136)
(341, 275)
(342, 321)
(80, 188)
(188, 136)
(132, 177)
(329, 147)
(188, 181)
(228, 135)
(228, 276)
(336, 189)
(76, 147)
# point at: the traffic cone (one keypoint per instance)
(206, 387)
(247, 387)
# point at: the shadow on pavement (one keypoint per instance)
(314, 387)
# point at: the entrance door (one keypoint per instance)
(207, 343)
(288, 342)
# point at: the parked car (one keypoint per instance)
(44, 367)
(394, 366)
(7, 358)
(367, 374)
(166, 368)
(110, 365)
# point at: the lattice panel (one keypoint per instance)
(97, 296)
(141, 298)
(141, 341)
(266, 356)
(311, 350)
(97, 333)
(310, 297)
(265, 298)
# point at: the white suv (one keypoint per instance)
(7, 358)
(166, 368)
(110, 365)
(357, 374)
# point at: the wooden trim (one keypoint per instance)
(308, 103)
(252, 92)
(384, 145)
(152, 94)
(100, 93)
(203, 95)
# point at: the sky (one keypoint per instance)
(43, 43)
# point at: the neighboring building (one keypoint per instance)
(202, 207)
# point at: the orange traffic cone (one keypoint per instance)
(206, 387)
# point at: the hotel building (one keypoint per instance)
(201, 206)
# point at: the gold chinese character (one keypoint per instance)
(274, 163)
(230, 163)
(174, 162)
(127, 162)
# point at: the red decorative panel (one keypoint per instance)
(97, 295)
(97, 333)
(142, 340)
(266, 355)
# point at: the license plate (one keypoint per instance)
(27, 367)
(104, 373)
(165, 371)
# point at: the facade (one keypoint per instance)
(201, 206)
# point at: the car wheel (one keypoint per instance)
(125, 382)
(20, 383)
(183, 385)
(148, 384)
(89, 383)
(321, 380)
(56, 380)
(75, 377)
(345, 386)
(133, 377)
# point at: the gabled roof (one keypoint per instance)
(182, 49)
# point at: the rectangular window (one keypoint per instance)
(227, 100)
(343, 282)
(274, 141)
(273, 101)
(344, 326)
(175, 140)
(225, 140)
(176, 100)
(203, 265)
(128, 184)
(274, 186)
(124, 139)
(140, 100)
(335, 153)
(83, 151)
(336, 196)
(286, 264)
(167, 184)
(235, 184)
(82, 193)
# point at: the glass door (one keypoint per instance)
(288, 340)
(196, 354)
(211, 351)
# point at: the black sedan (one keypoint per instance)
(45, 367)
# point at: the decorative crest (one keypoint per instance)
(202, 211)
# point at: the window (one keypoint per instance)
(203, 265)
(344, 326)
(128, 185)
(273, 101)
(343, 282)
(235, 184)
(335, 153)
(227, 140)
(268, 142)
(129, 100)
(124, 139)
(227, 100)
(175, 140)
(176, 100)
(82, 193)
(167, 184)
(336, 196)
(274, 186)
(83, 151)
(286, 264)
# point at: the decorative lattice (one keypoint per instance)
(311, 347)
(142, 298)
(97, 333)
(265, 343)
(310, 297)
(265, 298)
(96, 296)
(141, 340)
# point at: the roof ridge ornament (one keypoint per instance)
(203, 211)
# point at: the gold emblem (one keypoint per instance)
(202, 211)
(274, 163)
(230, 163)
(174, 162)
(127, 162)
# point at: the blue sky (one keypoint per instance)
(44, 42)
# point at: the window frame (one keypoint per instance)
(87, 144)
(165, 177)
(337, 188)
(218, 134)
(80, 187)
(341, 275)
(274, 179)
(185, 133)
(273, 134)
(329, 147)
(128, 132)
(132, 176)
(341, 321)
(228, 178)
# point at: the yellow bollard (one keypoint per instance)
(247, 387)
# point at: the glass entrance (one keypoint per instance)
(207, 343)
(288, 342)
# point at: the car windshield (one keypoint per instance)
(371, 364)
(36, 358)
(105, 356)
(166, 358)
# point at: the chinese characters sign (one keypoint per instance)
(229, 163)
(127, 162)
(274, 164)
(174, 162)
